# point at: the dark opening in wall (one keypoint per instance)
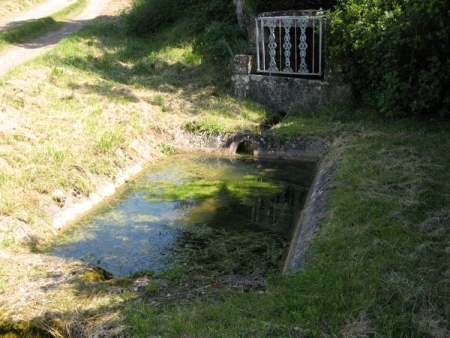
(245, 148)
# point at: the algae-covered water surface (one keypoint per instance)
(202, 213)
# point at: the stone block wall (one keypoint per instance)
(286, 94)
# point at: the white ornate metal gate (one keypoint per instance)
(290, 45)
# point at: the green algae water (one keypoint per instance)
(226, 215)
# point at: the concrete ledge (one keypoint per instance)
(266, 145)
(314, 211)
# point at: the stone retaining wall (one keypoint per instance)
(286, 94)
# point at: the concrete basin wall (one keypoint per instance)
(314, 211)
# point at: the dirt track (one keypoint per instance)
(21, 53)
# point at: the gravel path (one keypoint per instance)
(19, 54)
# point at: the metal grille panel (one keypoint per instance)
(290, 45)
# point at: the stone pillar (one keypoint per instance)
(242, 67)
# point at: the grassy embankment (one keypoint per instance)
(379, 266)
(35, 28)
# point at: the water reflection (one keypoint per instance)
(145, 229)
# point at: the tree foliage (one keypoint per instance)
(395, 53)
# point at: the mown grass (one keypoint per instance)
(379, 266)
(36, 28)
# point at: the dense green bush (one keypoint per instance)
(220, 41)
(395, 53)
(146, 16)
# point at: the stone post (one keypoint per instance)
(242, 68)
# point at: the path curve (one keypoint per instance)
(19, 54)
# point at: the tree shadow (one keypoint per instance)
(146, 63)
(57, 31)
(25, 24)
(141, 61)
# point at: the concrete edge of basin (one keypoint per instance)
(314, 211)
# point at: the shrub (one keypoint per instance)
(395, 54)
(217, 33)
(220, 41)
(212, 24)
(147, 16)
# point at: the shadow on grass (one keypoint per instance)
(167, 65)
(147, 62)
(18, 32)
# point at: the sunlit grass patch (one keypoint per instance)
(226, 114)
(328, 120)
(110, 140)
(73, 291)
